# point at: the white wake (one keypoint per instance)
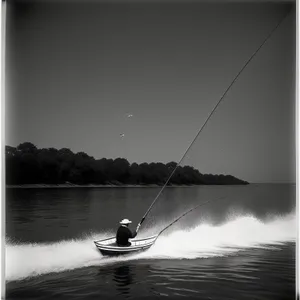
(204, 240)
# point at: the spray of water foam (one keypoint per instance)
(243, 232)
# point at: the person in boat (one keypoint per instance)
(124, 233)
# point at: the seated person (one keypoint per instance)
(124, 233)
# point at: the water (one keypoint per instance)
(240, 247)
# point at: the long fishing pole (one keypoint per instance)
(187, 212)
(214, 109)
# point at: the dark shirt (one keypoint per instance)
(123, 234)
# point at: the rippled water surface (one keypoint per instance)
(240, 247)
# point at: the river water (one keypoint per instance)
(240, 245)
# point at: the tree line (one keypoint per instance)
(26, 164)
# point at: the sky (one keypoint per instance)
(76, 69)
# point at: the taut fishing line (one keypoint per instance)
(212, 112)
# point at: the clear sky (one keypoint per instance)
(75, 69)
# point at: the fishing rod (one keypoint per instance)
(212, 112)
(187, 212)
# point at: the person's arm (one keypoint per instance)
(136, 231)
(132, 234)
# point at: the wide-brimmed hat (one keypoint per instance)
(125, 221)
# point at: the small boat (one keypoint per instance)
(110, 247)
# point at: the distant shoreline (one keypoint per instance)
(39, 186)
(27, 163)
(28, 186)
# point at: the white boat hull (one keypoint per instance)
(109, 246)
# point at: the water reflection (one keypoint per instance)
(123, 278)
(70, 213)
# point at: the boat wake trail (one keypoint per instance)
(202, 241)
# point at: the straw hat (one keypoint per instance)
(125, 221)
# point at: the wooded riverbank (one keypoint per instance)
(28, 165)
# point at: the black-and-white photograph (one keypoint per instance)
(150, 149)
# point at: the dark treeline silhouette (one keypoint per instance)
(26, 164)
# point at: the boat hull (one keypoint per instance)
(108, 247)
